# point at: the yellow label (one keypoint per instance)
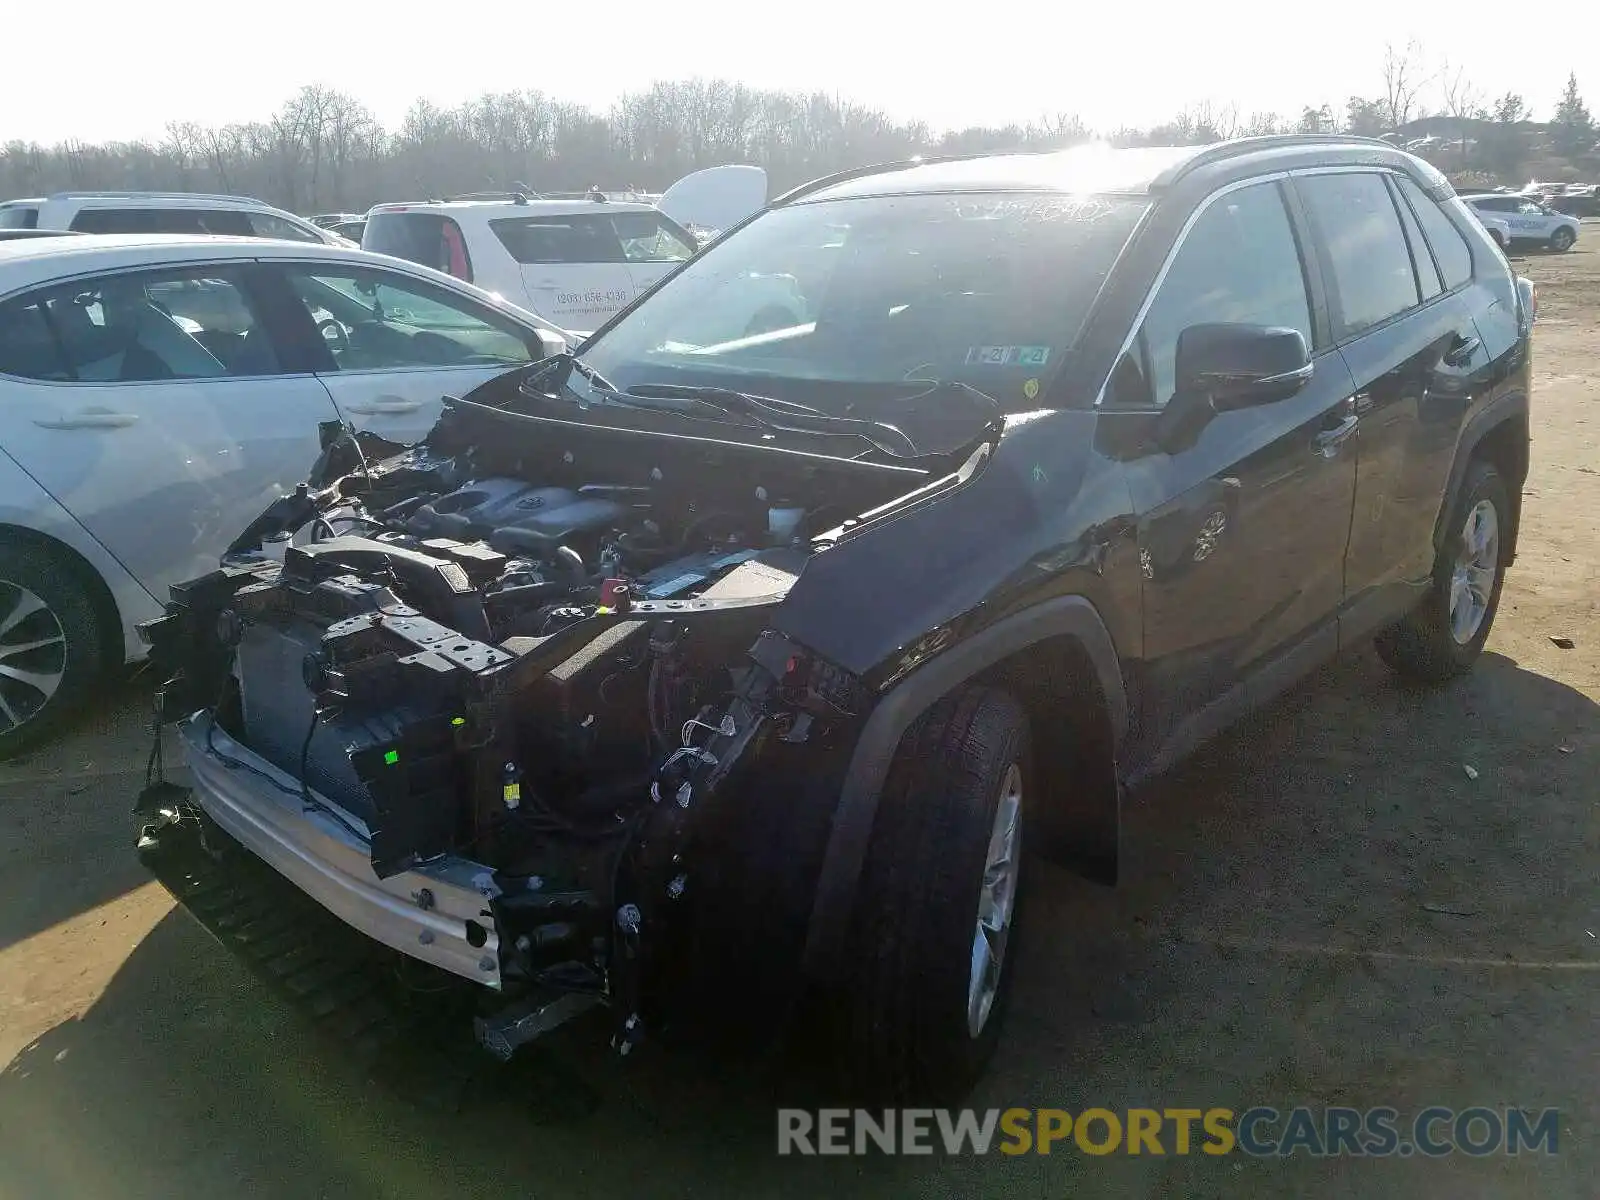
(1030, 389)
(513, 791)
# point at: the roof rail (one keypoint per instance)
(131, 195)
(516, 196)
(1221, 151)
(904, 164)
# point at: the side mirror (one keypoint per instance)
(1239, 366)
(1218, 368)
(549, 343)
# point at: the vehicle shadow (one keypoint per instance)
(1341, 820)
(63, 814)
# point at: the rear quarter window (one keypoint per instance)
(1450, 249)
(19, 216)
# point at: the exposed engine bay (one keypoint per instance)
(544, 655)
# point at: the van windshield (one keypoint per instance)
(822, 300)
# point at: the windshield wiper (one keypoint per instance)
(774, 414)
(567, 362)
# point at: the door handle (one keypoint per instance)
(1461, 353)
(379, 407)
(1328, 442)
(92, 418)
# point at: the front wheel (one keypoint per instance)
(1443, 636)
(1561, 240)
(934, 929)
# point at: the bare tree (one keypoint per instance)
(1403, 80)
(1463, 103)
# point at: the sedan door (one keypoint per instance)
(389, 346)
(152, 406)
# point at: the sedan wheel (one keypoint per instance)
(33, 655)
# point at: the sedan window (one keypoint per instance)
(137, 328)
(375, 320)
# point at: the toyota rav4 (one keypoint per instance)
(740, 668)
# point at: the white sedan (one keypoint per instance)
(160, 391)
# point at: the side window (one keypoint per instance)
(140, 328)
(1239, 263)
(268, 226)
(1372, 279)
(554, 240)
(646, 238)
(373, 320)
(29, 348)
(1427, 273)
(1450, 249)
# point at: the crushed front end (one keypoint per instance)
(527, 726)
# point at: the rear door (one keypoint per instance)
(1415, 355)
(153, 407)
(573, 268)
(389, 346)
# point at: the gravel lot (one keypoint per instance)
(1324, 907)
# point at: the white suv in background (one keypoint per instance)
(162, 212)
(1525, 219)
(574, 262)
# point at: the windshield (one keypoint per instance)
(822, 301)
(18, 216)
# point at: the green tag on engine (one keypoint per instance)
(390, 757)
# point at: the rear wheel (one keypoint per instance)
(1443, 636)
(52, 646)
(938, 900)
(1561, 240)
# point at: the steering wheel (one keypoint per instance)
(334, 334)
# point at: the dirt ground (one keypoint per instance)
(1324, 907)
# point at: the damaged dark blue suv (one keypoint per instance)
(722, 665)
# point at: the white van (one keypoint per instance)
(574, 262)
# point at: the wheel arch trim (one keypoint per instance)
(845, 857)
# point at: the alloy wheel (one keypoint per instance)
(1473, 576)
(33, 655)
(996, 902)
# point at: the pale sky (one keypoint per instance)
(110, 69)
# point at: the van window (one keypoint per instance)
(268, 226)
(1356, 221)
(18, 216)
(557, 240)
(162, 220)
(427, 239)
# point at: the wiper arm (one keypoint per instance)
(566, 362)
(771, 413)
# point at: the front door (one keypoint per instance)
(1242, 532)
(389, 347)
(152, 406)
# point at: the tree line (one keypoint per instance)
(325, 151)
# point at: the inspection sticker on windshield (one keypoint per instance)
(1003, 356)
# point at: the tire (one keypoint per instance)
(911, 1030)
(1561, 240)
(1428, 645)
(50, 633)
